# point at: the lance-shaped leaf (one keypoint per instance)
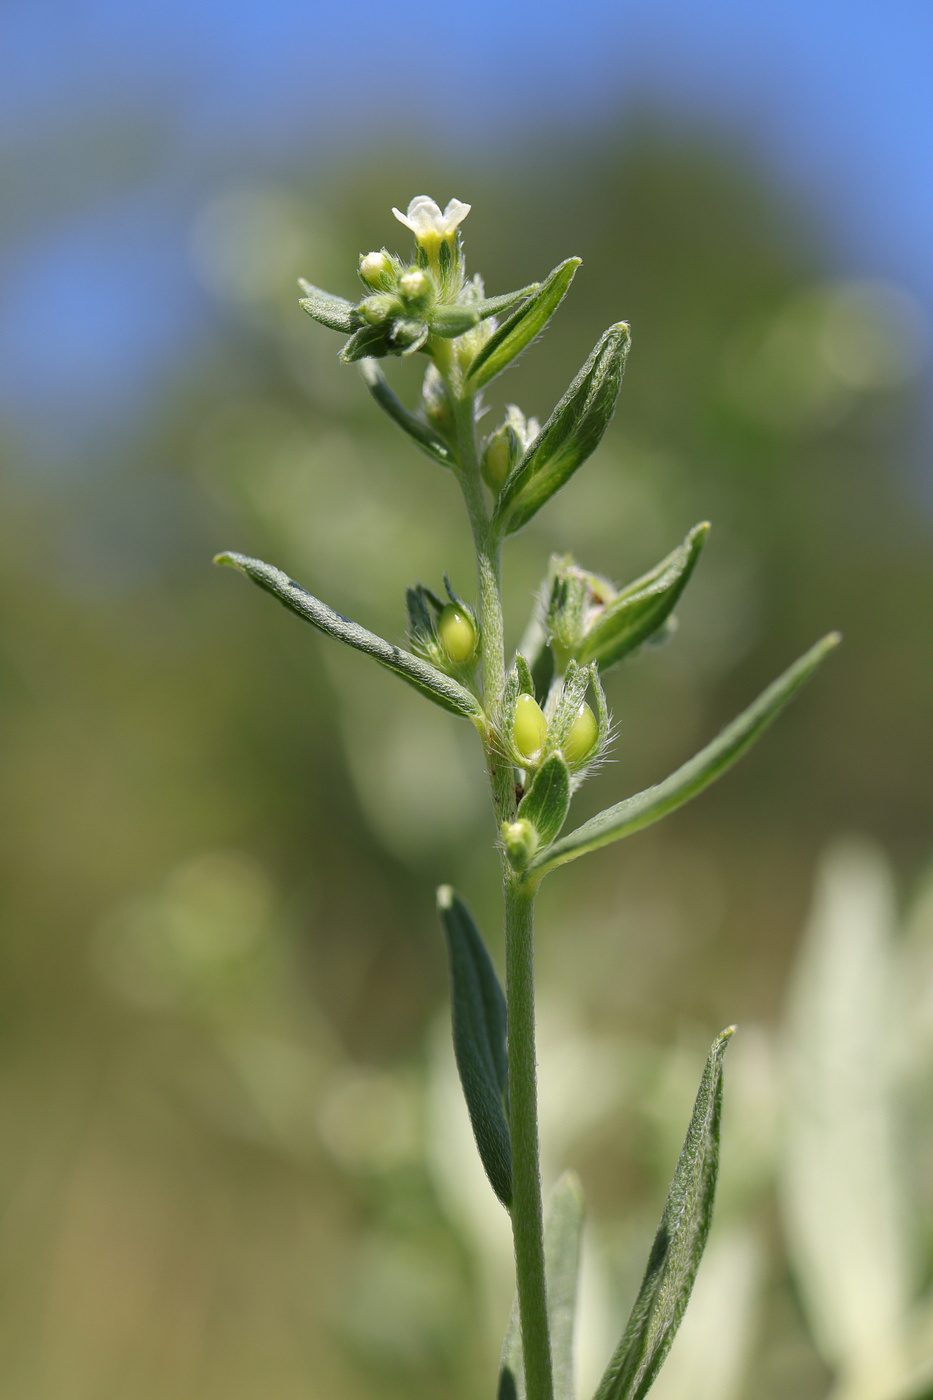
(642, 607)
(563, 1228)
(334, 312)
(678, 1246)
(693, 776)
(507, 301)
(427, 679)
(479, 1027)
(522, 326)
(368, 340)
(430, 442)
(547, 801)
(571, 433)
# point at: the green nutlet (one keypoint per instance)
(581, 740)
(529, 727)
(457, 634)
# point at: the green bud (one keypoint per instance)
(457, 634)
(408, 335)
(377, 269)
(581, 740)
(529, 727)
(498, 457)
(380, 308)
(520, 841)
(414, 285)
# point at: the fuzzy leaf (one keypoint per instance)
(367, 341)
(336, 313)
(522, 326)
(678, 1246)
(479, 1031)
(643, 607)
(693, 776)
(568, 437)
(563, 1228)
(547, 801)
(507, 301)
(424, 435)
(427, 679)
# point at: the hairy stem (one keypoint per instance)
(527, 1223)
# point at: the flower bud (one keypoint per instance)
(380, 308)
(529, 727)
(497, 460)
(415, 285)
(376, 269)
(581, 740)
(436, 400)
(520, 840)
(457, 634)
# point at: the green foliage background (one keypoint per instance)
(222, 978)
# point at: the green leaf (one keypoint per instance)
(424, 435)
(336, 313)
(563, 1229)
(568, 437)
(493, 306)
(479, 1029)
(678, 1246)
(693, 776)
(644, 606)
(547, 801)
(522, 326)
(427, 679)
(368, 340)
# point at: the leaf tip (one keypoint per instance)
(227, 556)
(445, 897)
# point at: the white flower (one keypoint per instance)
(426, 221)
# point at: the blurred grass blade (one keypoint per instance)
(572, 432)
(678, 1246)
(547, 801)
(693, 776)
(479, 1031)
(334, 312)
(427, 679)
(563, 1229)
(423, 434)
(522, 326)
(842, 1186)
(639, 610)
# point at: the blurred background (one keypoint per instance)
(235, 1162)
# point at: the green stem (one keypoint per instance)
(527, 1222)
(526, 1212)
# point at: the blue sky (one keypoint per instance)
(835, 98)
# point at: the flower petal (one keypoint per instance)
(454, 215)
